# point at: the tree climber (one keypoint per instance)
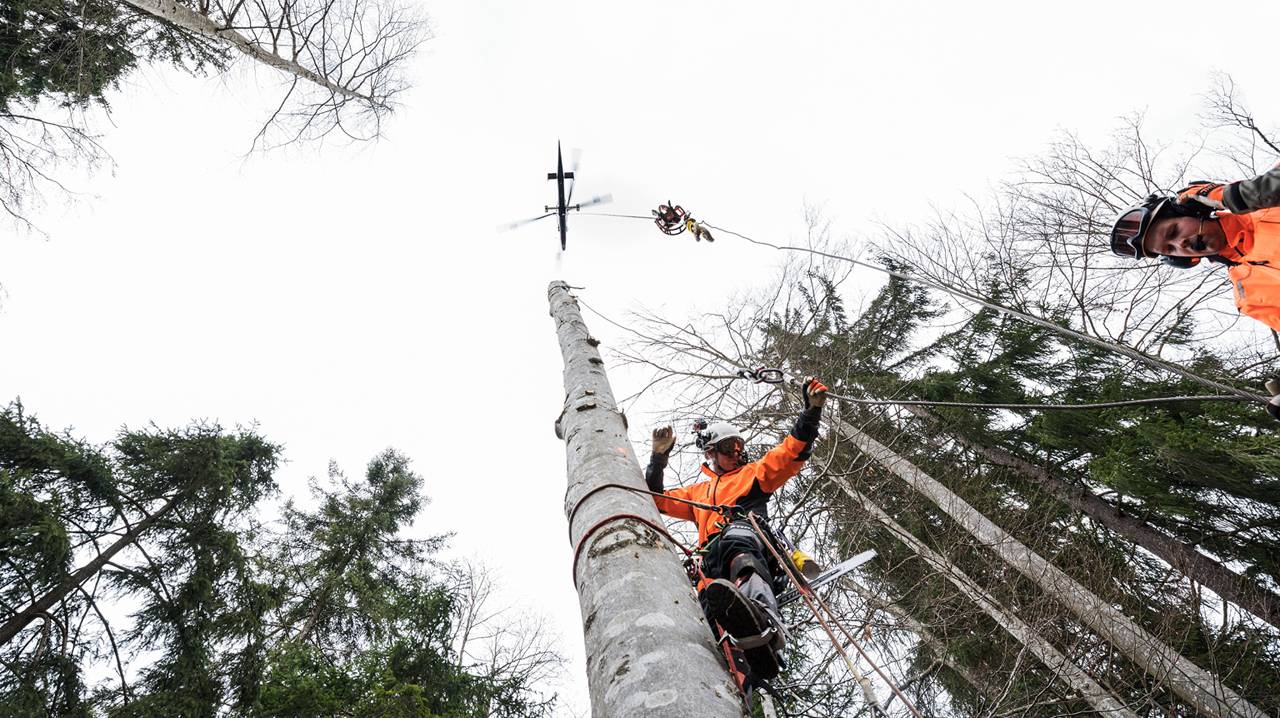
(1233, 224)
(737, 591)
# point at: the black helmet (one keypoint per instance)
(1132, 225)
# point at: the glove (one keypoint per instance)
(815, 393)
(1213, 204)
(663, 440)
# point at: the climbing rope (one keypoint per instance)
(772, 375)
(808, 595)
(582, 542)
(723, 510)
(810, 598)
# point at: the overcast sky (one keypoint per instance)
(347, 299)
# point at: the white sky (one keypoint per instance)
(352, 298)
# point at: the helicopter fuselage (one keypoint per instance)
(561, 209)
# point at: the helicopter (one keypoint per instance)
(563, 200)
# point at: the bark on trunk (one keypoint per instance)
(1182, 556)
(190, 20)
(1196, 686)
(649, 648)
(82, 574)
(1089, 690)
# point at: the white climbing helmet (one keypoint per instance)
(711, 434)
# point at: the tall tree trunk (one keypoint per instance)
(649, 649)
(1182, 556)
(1192, 683)
(1097, 696)
(181, 16)
(24, 617)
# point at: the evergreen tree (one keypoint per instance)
(143, 518)
(361, 627)
(71, 52)
(195, 561)
(58, 61)
(49, 488)
(332, 612)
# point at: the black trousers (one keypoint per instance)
(740, 539)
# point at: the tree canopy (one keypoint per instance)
(146, 560)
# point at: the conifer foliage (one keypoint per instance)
(138, 581)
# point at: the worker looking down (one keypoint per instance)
(1233, 224)
(738, 594)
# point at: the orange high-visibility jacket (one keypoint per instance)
(1255, 239)
(1253, 243)
(744, 486)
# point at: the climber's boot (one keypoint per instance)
(746, 626)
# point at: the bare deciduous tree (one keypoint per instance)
(510, 648)
(1045, 237)
(1248, 146)
(343, 63)
(32, 152)
(344, 58)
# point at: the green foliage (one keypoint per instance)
(44, 684)
(1205, 472)
(46, 482)
(193, 557)
(69, 51)
(72, 52)
(410, 674)
(333, 613)
(349, 553)
(817, 336)
(365, 629)
(50, 488)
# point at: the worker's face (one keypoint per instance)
(1184, 237)
(728, 454)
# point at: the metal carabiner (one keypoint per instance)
(763, 375)
(770, 375)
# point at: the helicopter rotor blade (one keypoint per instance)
(521, 223)
(577, 160)
(598, 199)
